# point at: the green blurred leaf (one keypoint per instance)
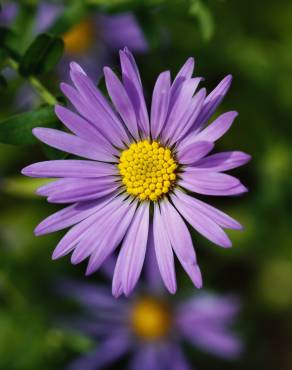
(5, 34)
(42, 55)
(22, 186)
(17, 129)
(205, 18)
(8, 40)
(24, 23)
(3, 58)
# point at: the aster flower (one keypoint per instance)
(92, 42)
(94, 39)
(137, 167)
(151, 328)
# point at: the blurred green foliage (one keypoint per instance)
(251, 40)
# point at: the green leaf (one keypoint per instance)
(42, 55)
(205, 18)
(8, 40)
(17, 129)
(22, 186)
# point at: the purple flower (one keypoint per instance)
(93, 40)
(137, 167)
(8, 13)
(151, 328)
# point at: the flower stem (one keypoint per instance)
(38, 86)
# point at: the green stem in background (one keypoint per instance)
(38, 86)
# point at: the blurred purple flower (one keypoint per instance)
(151, 328)
(136, 165)
(94, 39)
(8, 13)
(92, 42)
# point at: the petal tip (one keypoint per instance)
(26, 171)
(37, 131)
(56, 255)
(38, 231)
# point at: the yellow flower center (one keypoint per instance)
(79, 38)
(147, 170)
(150, 319)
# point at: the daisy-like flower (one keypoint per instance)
(151, 328)
(136, 187)
(92, 41)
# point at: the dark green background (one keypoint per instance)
(251, 40)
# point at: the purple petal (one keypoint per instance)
(83, 128)
(46, 15)
(69, 168)
(8, 13)
(179, 107)
(181, 242)
(177, 360)
(59, 185)
(133, 63)
(93, 241)
(77, 68)
(91, 296)
(77, 190)
(69, 216)
(209, 309)
(147, 357)
(194, 151)
(112, 231)
(211, 186)
(212, 101)
(203, 224)
(121, 101)
(218, 127)
(76, 233)
(72, 144)
(217, 216)
(133, 86)
(160, 103)
(132, 254)
(214, 340)
(152, 273)
(206, 182)
(94, 98)
(222, 161)
(184, 73)
(107, 353)
(163, 251)
(96, 115)
(190, 115)
(122, 29)
(205, 320)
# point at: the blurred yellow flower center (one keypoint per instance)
(147, 170)
(150, 319)
(79, 38)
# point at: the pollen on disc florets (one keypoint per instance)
(147, 170)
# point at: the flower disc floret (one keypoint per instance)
(148, 170)
(150, 319)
